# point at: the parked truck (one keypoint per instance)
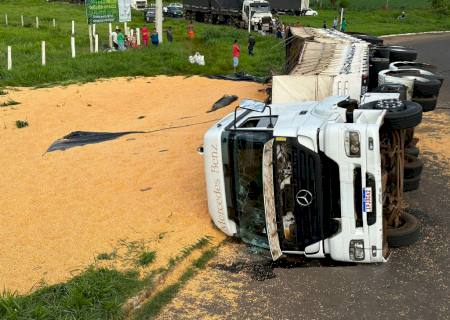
(291, 7)
(321, 170)
(233, 12)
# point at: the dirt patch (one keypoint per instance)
(60, 209)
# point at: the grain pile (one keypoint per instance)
(58, 210)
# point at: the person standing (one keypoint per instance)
(120, 40)
(279, 34)
(344, 25)
(324, 24)
(169, 34)
(190, 30)
(114, 38)
(145, 35)
(236, 54)
(251, 44)
(155, 37)
(335, 23)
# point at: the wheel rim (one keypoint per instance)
(390, 105)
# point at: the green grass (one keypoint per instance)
(98, 292)
(94, 294)
(21, 124)
(162, 298)
(172, 59)
(214, 42)
(145, 258)
(378, 22)
(9, 103)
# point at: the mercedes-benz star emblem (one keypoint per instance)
(304, 198)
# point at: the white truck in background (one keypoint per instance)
(321, 170)
(139, 4)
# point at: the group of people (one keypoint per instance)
(236, 50)
(343, 26)
(122, 41)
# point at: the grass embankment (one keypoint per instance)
(379, 22)
(171, 59)
(100, 292)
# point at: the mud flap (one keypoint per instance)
(269, 201)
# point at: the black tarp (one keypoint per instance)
(81, 138)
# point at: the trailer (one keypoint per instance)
(233, 12)
(292, 7)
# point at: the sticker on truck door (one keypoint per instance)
(367, 199)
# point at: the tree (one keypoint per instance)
(333, 3)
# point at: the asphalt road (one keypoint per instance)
(414, 284)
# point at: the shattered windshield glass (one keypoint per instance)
(248, 185)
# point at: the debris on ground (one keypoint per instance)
(241, 76)
(81, 138)
(226, 100)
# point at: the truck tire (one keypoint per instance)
(412, 151)
(393, 88)
(403, 54)
(402, 65)
(427, 86)
(366, 37)
(406, 234)
(411, 184)
(413, 167)
(428, 104)
(400, 114)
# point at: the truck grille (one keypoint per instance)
(315, 197)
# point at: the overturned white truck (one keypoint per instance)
(321, 170)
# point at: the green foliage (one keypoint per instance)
(343, 4)
(94, 294)
(441, 6)
(9, 103)
(21, 124)
(145, 258)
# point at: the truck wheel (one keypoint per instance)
(428, 104)
(412, 151)
(426, 86)
(375, 66)
(406, 234)
(411, 184)
(393, 88)
(368, 38)
(413, 167)
(400, 114)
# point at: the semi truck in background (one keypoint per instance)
(321, 170)
(291, 7)
(232, 12)
(139, 4)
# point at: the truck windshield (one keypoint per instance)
(261, 9)
(246, 150)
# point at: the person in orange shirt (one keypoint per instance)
(190, 30)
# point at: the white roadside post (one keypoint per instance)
(43, 52)
(37, 22)
(73, 26)
(9, 58)
(138, 36)
(93, 29)
(96, 43)
(6, 19)
(54, 23)
(21, 20)
(91, 42)
(72, 46)
(110, 35)
(249, 19)
(159, 16)
(342, 16)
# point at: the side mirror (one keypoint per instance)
(252, 105)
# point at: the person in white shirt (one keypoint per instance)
(114, 38)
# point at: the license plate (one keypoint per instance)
(367, 200)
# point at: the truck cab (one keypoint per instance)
(298, 178)
(259, 14)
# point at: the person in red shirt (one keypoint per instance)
(236, 54)
(145, 35)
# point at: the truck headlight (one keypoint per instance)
(356, 250)
(352, 144)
